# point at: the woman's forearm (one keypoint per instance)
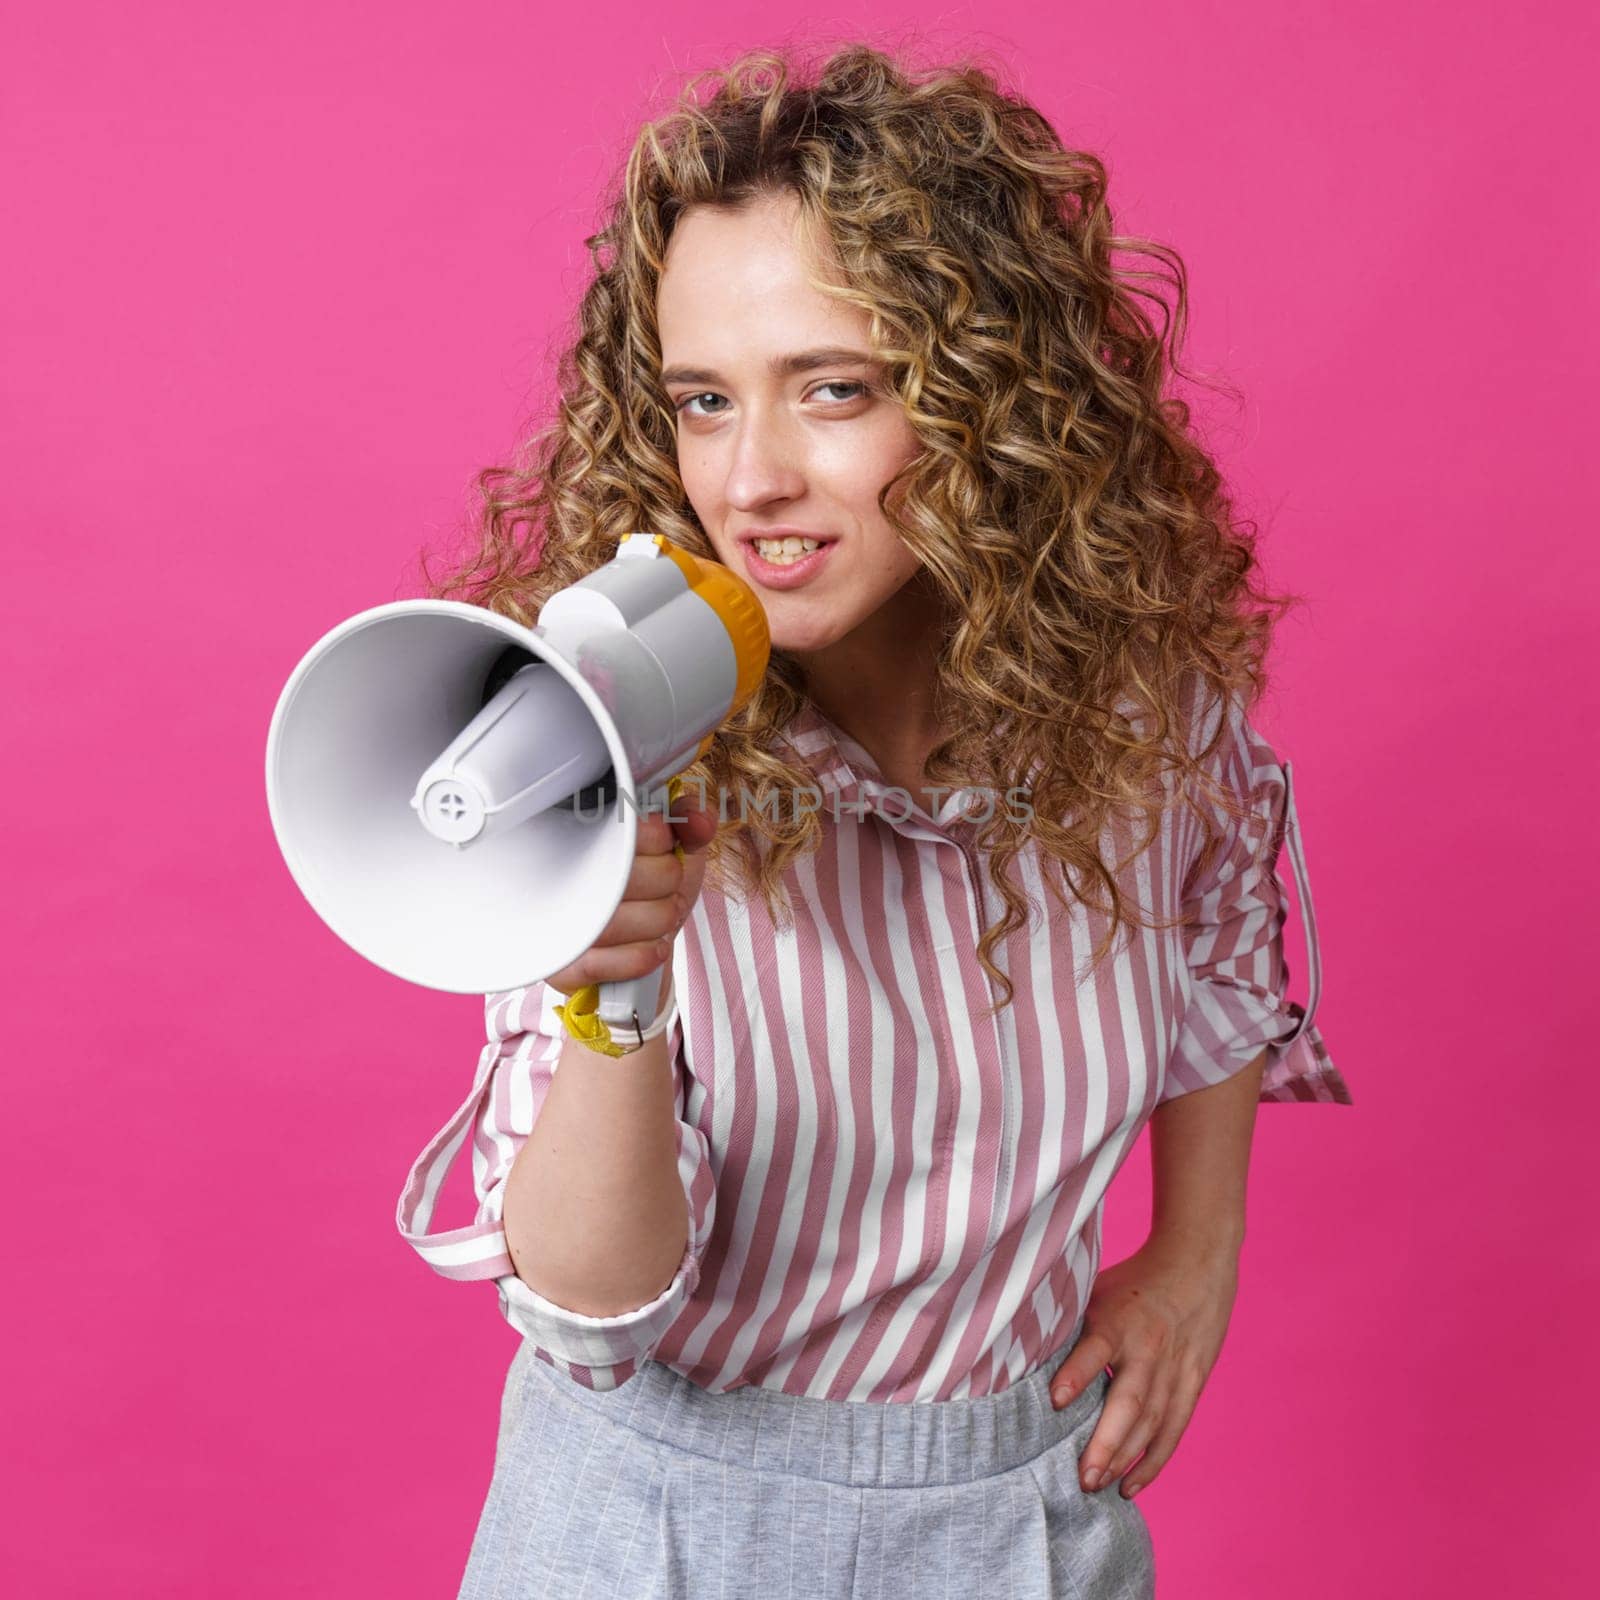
(595, 1215)
(1200, 1160)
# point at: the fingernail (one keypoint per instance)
(1094, 1477)
(1131, 1489)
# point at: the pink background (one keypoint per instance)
(273, 289)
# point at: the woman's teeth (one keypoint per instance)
(785, 552)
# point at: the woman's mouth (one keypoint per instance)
(785, 563)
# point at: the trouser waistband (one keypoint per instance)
(861, 1443)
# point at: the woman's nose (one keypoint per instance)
(765, 466)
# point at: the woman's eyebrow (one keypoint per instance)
(780, 366)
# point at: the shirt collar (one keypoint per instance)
(847, 776)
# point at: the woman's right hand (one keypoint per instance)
(661, 892)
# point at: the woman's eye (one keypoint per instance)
(689, 400)
(843, 383)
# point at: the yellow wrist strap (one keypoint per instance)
(580, 1015)
(579, 1018)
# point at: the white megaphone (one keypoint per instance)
(458, 796)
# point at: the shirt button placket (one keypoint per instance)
(961, 829)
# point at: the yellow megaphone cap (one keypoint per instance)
(740, 612)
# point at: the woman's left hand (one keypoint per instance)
(1157, 1320)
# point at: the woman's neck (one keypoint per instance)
(878, 682)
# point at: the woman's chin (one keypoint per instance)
(800, 635)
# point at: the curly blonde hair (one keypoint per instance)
(1096, 583)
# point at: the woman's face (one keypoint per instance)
(782, 426)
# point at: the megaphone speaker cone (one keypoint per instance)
(367, 712)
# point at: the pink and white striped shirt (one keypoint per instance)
(892, 1196)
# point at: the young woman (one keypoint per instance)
(809, 1278)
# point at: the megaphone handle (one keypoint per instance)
(620, 1002)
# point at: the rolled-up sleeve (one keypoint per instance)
(515, 1071)
(1236, 977)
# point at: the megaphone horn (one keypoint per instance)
(458, 795)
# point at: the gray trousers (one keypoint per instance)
(662, 1490)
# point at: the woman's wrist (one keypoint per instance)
(1200, 1241)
